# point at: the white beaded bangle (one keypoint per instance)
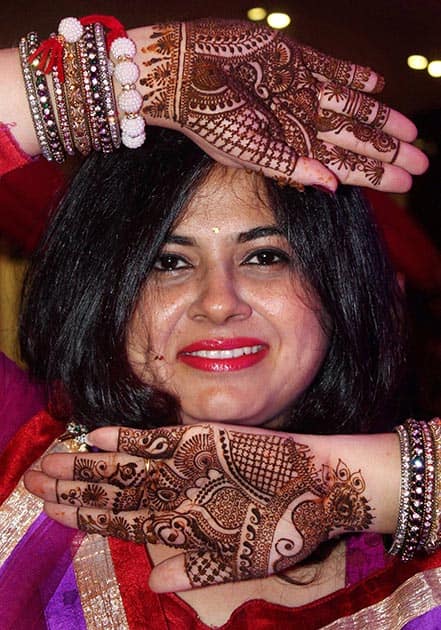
(126, 73)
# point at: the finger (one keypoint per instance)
(154, 443)
(170, 576)
(193, 569)
(85, 494)
(343, 72)
(64, 514)
(367, 110)
(112, 468)
(363, 139)
(360, 170)
(125, 525)
(273, 158)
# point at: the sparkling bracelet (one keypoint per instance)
(108, 95)
(74, 97)
(84, 97)
(417, 490)
(434, 538)
(403, 512)
(27, 46)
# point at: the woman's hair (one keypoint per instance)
(85, 279)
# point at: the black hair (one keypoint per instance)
(84, 281)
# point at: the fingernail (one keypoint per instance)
(88, 440)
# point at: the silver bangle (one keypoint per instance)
(108, 94)
(404, 509)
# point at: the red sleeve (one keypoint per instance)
(28, 188)
(11, 156)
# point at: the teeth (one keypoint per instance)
(226, 354)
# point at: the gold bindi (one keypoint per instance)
(216, 230)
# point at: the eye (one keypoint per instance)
(266, 257)
(170, 262)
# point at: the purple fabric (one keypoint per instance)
(365, 554)
(64, 611)
(31, 575)
(430, 621)
(19, 399)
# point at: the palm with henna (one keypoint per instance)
(238, 504)
(253, 98)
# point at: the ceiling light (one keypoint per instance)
(434, 68)
(278, 20)
(256, 14)
(417, 62)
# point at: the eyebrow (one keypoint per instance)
(244, 237)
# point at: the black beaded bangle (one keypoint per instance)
(86, 57)
(417, 489)
(63, 116)
(107, 91)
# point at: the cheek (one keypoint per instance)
(304, 335)
(154, 331)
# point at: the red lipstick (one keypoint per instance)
(224, 355)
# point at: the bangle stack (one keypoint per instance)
(82, 112)
(419, 518)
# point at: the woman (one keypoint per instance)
(217, 254)
(129, 384)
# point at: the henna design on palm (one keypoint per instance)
(241, 505)
(253, 95)
(357, 105)
(118, 526)
(90, 469)
(93, 495)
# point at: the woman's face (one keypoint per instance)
(223, 322)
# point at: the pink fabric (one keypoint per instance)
(19, 399)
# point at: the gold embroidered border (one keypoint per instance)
(418, 595)
(17, 513)
(21, 508)
(98, 587)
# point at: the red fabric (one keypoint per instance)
(132, 569)
(146, 609)
(11, 156)
(410, 249)
(26, 195)
(28, 188)
(25, 447)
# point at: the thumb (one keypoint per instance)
(192, 569)
(170, 576)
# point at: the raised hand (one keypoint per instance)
(240, 505)
(251, 97)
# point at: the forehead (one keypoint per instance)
(228, 197)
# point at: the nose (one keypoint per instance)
(219, 297)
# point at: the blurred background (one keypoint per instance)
(380, 34)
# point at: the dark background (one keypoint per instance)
(378, 33)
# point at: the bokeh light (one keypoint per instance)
(417, 62)
(434, 68)
(256, 14)
(278, 20)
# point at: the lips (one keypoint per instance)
(224, 355)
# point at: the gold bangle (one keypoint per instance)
(75, 99)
